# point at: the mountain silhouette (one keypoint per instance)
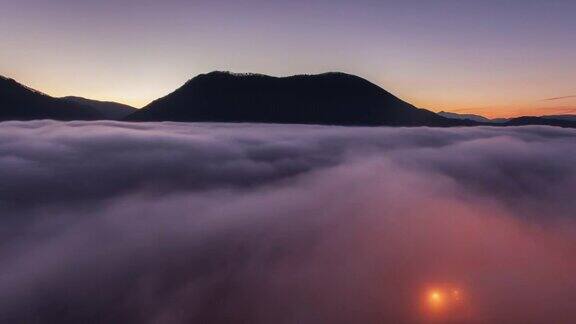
(329, 98)
(18, 102)
(477, 118)
(530, 120)
(547, 120)
(108, 109)
(560, 117)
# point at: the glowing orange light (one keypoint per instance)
(435, 298)
(443, 299)
(445, 302)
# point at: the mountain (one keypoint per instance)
(477, 118)
(451, 115)
(530, 120)
(329, 98)
(552, 120)
(108, 109)
(560, 117)
(18, 102)
(568, 121)
(549, 120)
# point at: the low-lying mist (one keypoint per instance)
(109, 222)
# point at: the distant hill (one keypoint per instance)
(108, 109)
(550, 120)
(530, 120)
(477, 118)
(18, 102)
(329, 98)
(560, 117)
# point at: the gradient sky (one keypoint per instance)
(493, 57)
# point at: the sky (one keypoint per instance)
(498, 58)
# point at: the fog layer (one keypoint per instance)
(109, 222)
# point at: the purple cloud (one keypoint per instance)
(175, 223)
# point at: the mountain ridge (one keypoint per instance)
(20, 102)
(550, 120)
(109, 109)
(474, 117)
(333, 98)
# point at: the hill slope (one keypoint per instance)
(109, 109)
(330, 98)
(530, 120)
(476, 118)
(18, 102)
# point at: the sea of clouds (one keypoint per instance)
(110, 222)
